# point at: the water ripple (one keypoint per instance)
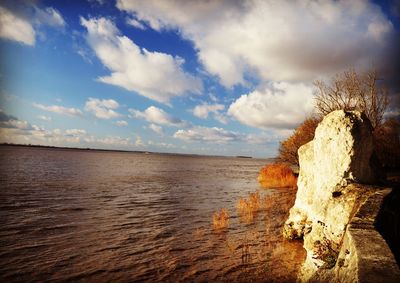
(69, 215)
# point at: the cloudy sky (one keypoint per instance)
(206, 77)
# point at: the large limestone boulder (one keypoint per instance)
(331, 165)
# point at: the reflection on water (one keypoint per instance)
(102, 216)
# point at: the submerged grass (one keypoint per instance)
(260, 252)
(247, 208)
(277, 175)
(220, 219)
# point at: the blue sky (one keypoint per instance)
(217, 77)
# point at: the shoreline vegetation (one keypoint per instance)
(272, 176)
(348, 91)
(277, 175)
(264, 252)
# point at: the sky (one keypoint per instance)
(199, 77)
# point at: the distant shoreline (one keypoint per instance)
(71, 148)
(123, 151)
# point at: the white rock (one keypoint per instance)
(338, 156)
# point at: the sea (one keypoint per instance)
(104, 216)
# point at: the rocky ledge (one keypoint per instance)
(337, 209)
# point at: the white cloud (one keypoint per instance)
(135, 23)
(157, 116)
(155, 75)
(204, 134)
(75, 132)
(18, 22)
(213, 97)
(102, 108)
(11, 122)
(203, 110)
(13, 130)
(16, 28)
(44, 118)
(139, 142)
(49, 16)
(272, 136)
(274, 40)
(59, 109)
(16, 124)
(111, 140)
(280, 105)
(19, 131)
(157, 129)
(161, 144)
(121, 123)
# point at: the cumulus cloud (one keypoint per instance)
(157, 129)
(279, 105)
(5, 117)
(18, 21)
(139, 142)
(17, 124)
(274, 40)
(111, 140)
(102, 108)
(205, 134)
(75, 132)
(272, 136)
(121, 123)
(223, 136)
(203, 110)
(155, 75)
(59, 109)
(16, 28)
(44, 118)
(157, 116)
(14, 130)
(161, 144)
(11, 122)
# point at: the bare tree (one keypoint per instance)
(351, 91)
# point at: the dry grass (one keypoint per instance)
(220, 219)
(247, 208)
(277, 175)
(260, 250)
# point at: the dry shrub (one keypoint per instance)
(302, 135)
(387, 144)
(220, 219)
(277, 175)
(247, 208)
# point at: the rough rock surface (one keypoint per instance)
(364, 255)
(331, 168)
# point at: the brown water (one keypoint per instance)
(111, 216)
